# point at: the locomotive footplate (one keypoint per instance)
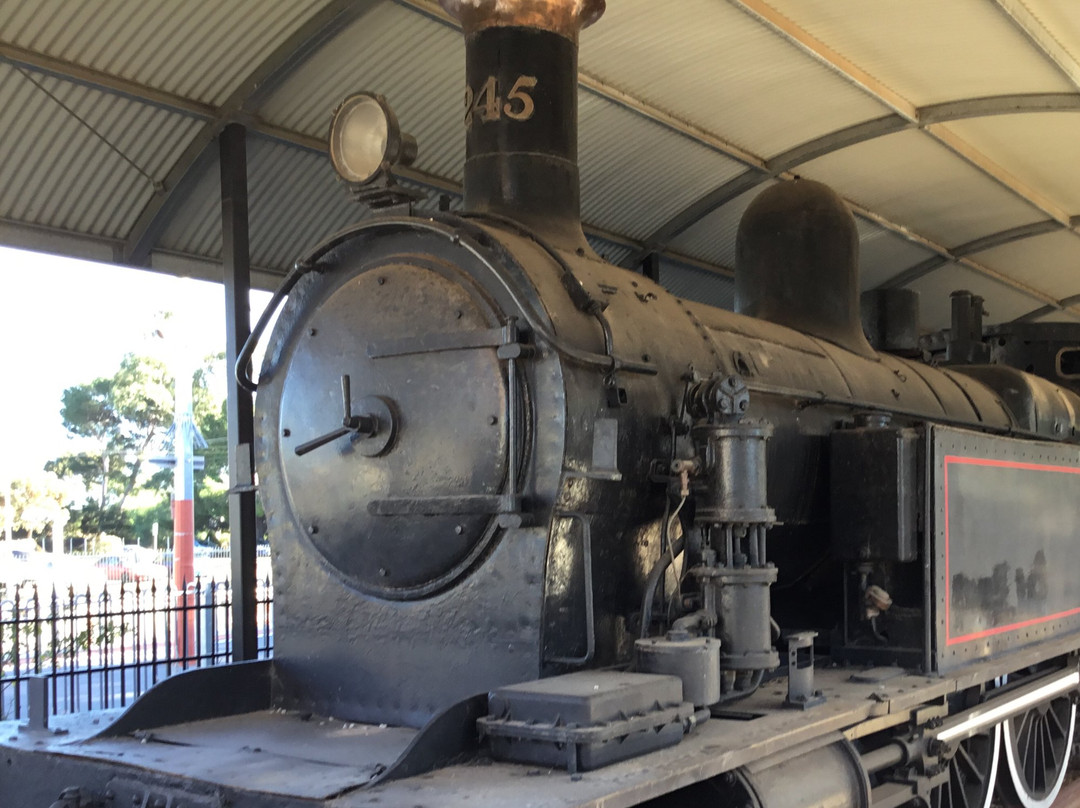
(299, 758)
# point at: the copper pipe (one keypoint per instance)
(563, 17)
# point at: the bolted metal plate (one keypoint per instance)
(449, 433)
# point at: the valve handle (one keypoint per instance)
(364, 425)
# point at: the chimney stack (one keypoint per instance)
(521, 110)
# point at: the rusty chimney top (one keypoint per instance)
(521, 111)
(563, 17)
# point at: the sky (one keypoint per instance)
(65, 322)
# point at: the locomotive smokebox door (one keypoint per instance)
(405, 512)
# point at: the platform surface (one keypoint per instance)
(305, 757)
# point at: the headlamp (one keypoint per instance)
(365, 139)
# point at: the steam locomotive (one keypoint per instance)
(545, 534)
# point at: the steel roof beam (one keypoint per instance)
(185, 172)
(201, 152)
(98, 80)
(1042, 311)
(440, 184)
(776, 167)
(1016, 103)
(846, 69)
(960, 255)
(772, 169)
(970, 248)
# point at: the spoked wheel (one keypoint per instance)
(1037, 746)
(972, 772)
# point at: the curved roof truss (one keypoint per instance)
(245, 100)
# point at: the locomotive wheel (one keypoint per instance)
(1037, 747)
(972, 773)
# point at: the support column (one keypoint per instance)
(650, 267)
(240, 408)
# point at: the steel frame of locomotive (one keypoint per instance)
(546, 556)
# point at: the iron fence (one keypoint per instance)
(103, 650)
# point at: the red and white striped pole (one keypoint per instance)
(183, 509)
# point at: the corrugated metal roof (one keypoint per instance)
(712, 239)
(930, 51)
(884, 255)
(195, 229)
(1050, 261)
(318, 204)
(199, 49)
(315, 205)
(1002, 303)
(699, 285)
(1041, 149)
(416, 62)
(59, 171)
(635, 172)
(609, 251)
(914, 181)
(679, 96)
(1052, 317)
(1062, 19)
(712, 65)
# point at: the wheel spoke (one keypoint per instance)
(1039, 758)
(1031, 752)
(1022, 735)
(970, 773)
(1062, 731)
(963, 795)
(964, 758)
(1051, 755)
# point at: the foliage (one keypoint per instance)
(32, 504)
(123, 419)
(120, 417)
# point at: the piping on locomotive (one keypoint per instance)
(530, 510)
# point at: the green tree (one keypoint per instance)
(121, 416)
(126, 416)
(31, 504)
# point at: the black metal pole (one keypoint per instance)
(240, 412)
(650, 267)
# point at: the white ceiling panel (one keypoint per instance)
(1049, 262)
(929, 51)
(935, 308)
(1062, 19)
(669, 91)
(884, 254)
(917, 183)
(1041, 149)
(708, 63)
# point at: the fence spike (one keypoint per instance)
(73, 639)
